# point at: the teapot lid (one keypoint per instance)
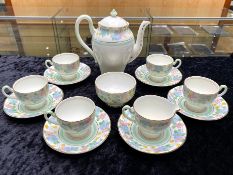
(113, 21)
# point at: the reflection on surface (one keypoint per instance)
(50, 29)
(126, 7)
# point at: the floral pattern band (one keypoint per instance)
(174, 77)
(84, 71)
(171, 139)
(217, 110)
(14, 108)
(56, 139)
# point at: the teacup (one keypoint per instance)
(75, 115)
(65, 64)
(152, 114)
(200, 92)
(160, 65)
(31, 91)
(115, 88)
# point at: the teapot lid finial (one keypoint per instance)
(113, 13)
(113, 21)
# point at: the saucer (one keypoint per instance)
(56, 139)
(14, 108)
(217, 110)
(172, 138)
(174, 77)
(53, 77)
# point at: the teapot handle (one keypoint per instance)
(77, 32)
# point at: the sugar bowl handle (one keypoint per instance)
(49, 119)
(222, 88)
(4, 88)
(177, 61)
(47, 62)
(131, 111)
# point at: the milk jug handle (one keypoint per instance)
(77, 31)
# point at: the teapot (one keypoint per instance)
(113, 42)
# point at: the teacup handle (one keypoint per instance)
(222, 88)
(4, 88)
(47, 62)
(49, 119)
(177, 61)
(131, 110)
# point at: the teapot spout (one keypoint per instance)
(139, 42)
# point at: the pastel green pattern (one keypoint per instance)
(165, 136)
(117, 99)
(54, 137)
(14, 108)
(172, 138)
(217, 110)
(80, 142)
(53, 77)
(113, 36)
(119, 43)
(174, 77)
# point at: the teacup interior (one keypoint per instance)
(160, 59)
(115, 82)
(30, 83)
(153, 107)
(202, 85)
(65, 58)
(75, 109)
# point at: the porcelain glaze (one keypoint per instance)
(115, 88)
(112, 42)
(31, 91)
(152, 114)
(174, 77)
(14, 108)
(56, 139)
(172, 138)
(215, 111)
(65, 64)
(83, 73)
(200, 92)
(75, 115)
(159, 66)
